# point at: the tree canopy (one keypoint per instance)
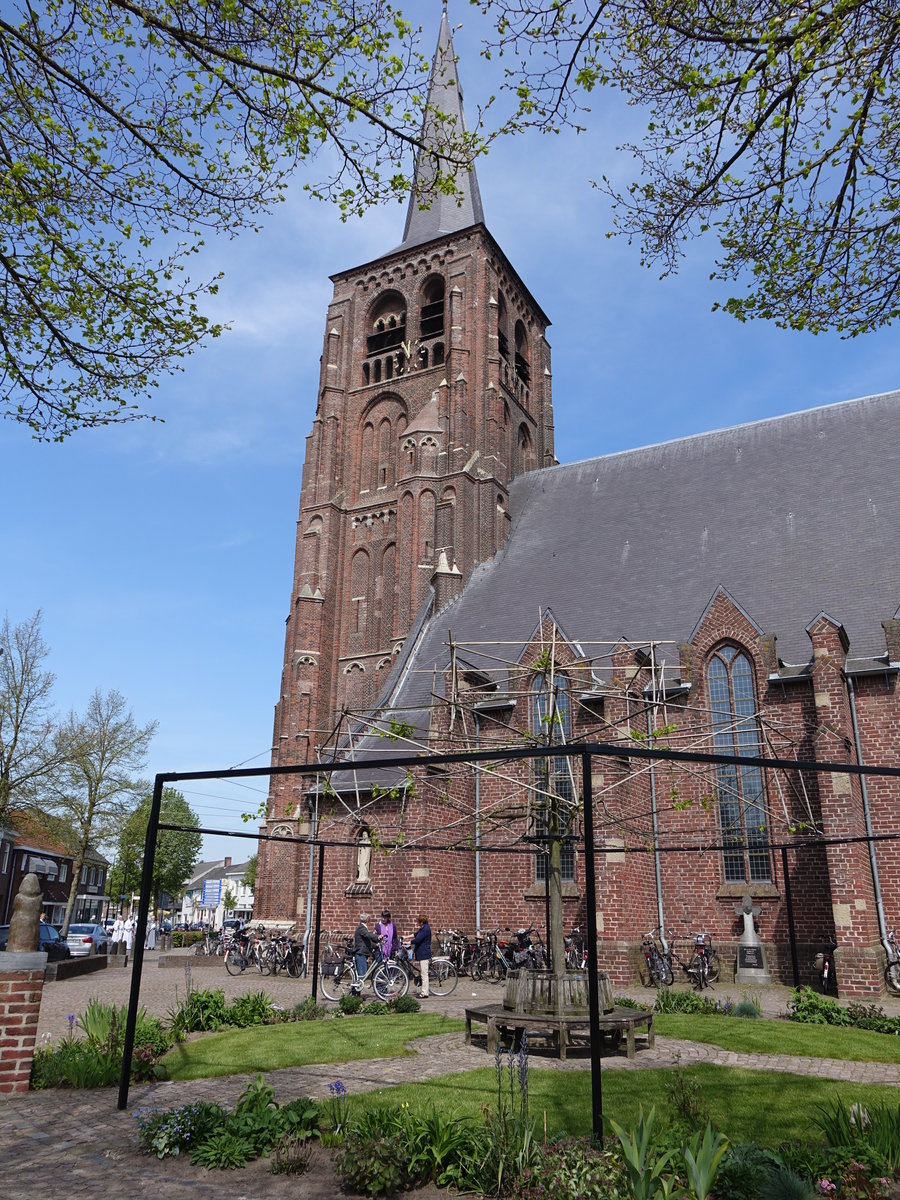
(130, 131)
(776, 125)
(177, 851)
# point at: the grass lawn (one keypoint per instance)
(780, 1037)
(758, 1106)
(299, 1043)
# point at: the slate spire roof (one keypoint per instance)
(444, 124)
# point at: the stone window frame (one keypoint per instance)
(732, 698)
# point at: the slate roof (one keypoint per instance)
(793, 516)
(445, 214)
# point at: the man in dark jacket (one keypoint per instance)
(364, 943)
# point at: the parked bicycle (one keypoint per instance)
(340, 977)
(892, 970)
(657, 963)
(576, 949)
(443, 974)
(702, 965)
(209, 944)
(457, 947)
(498, 957)
(824, 964)
(248, 951)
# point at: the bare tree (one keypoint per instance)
(95, 788)
(28, 746)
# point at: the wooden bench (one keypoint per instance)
(617, 1022)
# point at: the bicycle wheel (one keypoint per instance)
(390, 982)
(201, 950)
(667, 975)
(235, 962)
(499, 968)
(892, 976)
(337, 982)
(295, 963)
(713, 967)
(442, 977)
(479, 965)
(695, 972)
(263, 961)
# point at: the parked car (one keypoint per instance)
(51, 943)
(233, 925)
(87, 939)
(165, 926)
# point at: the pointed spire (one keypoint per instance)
(446, 214)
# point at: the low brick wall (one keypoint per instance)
(21, 987)
(70, 968)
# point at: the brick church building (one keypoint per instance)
(456, 589)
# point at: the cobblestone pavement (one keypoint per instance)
(81, 1145)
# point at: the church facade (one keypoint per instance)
(457, 590)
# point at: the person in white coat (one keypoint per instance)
(118, 934)
(150, 940)
(130, 924)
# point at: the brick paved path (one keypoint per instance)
(78, 1144)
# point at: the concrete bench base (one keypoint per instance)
(629, 1022)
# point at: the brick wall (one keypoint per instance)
(21, 986)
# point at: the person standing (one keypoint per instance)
(118, 934)
(386, 932)
(421, 951)
(150, 940)
(364, 943)
(128, 931)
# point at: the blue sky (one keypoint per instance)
(161, 554)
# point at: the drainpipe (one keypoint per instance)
(876, 883)
(313, 805)
(477, 829)
(651, 728)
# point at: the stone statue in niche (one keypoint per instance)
(364, 858)
(25, 926)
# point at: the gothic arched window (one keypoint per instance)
(387, 323)
(741, 791)
(554, 799)
(523, 370)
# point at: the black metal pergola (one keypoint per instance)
(583, 751)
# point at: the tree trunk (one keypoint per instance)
(554, 867)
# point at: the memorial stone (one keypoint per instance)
(751, 963)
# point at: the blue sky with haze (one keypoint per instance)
(161, 554)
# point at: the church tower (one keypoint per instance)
(434, 392)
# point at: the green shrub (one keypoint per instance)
(167, 1133)
(223, 1151)
(202, 1010)
(291, 1154)
(668, 1001)
(376, 1008)
(75, 1063)
(629, 1002)
(253, 1008)
(405, 1004)
(814, 1009)
(747, 1009)
(309, 1010)
(348, 1006)
(783, 1183)
(571, 1169)
(744, 1170)
(375, 1166)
